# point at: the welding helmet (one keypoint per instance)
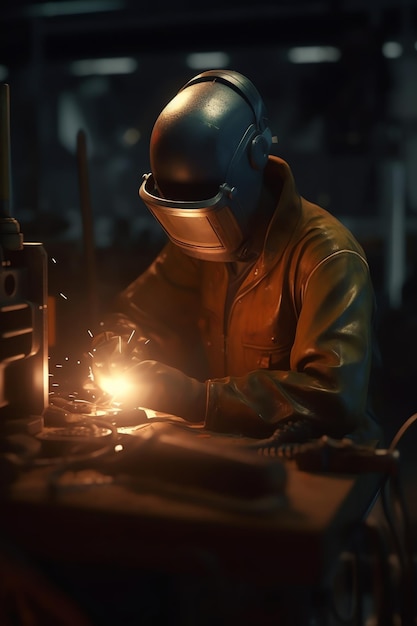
(208, 150)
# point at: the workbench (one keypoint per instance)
(293, 538)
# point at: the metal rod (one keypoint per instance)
(5, 168)
(10, 235)
(88, 230)
(396, 240)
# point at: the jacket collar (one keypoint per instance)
(280, 181)
(279, 178)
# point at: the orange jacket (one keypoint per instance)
(298, 340)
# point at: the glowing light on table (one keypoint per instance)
(120, 387)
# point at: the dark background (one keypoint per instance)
(348, 128)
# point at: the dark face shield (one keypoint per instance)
(205, 229)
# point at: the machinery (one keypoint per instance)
(23, 308)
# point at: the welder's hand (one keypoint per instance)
(113, 354)
(165, 389)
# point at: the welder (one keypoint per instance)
(257, 316)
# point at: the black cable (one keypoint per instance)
(356, 608)
(325, 454)
(396, 515)
(401, 431)
(398, 521)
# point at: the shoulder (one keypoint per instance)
(312, 222)
(318, 229)
(174, 266)
(323, 247)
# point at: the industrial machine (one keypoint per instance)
(23, 308)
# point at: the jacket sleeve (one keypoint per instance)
(330, 361)
(161, 307)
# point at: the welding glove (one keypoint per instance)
(112, 354)
(165, 389)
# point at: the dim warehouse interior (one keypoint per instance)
(339, 79)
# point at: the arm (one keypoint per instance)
(157, 315)
(327, 384)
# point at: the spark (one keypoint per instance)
(91, 354)
(147, 341)
(53, 259)
(131, 335)
(63, 295)
(58, 365)
(116, 386)
(118, 448)
(120, 344)
(90, 333)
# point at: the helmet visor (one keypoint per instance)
(205, 229)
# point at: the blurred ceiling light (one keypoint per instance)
(314, 54)
(74, 7)
(90, 67)
(207, 60)
(131, 136)
(4, 72)
(392, 49)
